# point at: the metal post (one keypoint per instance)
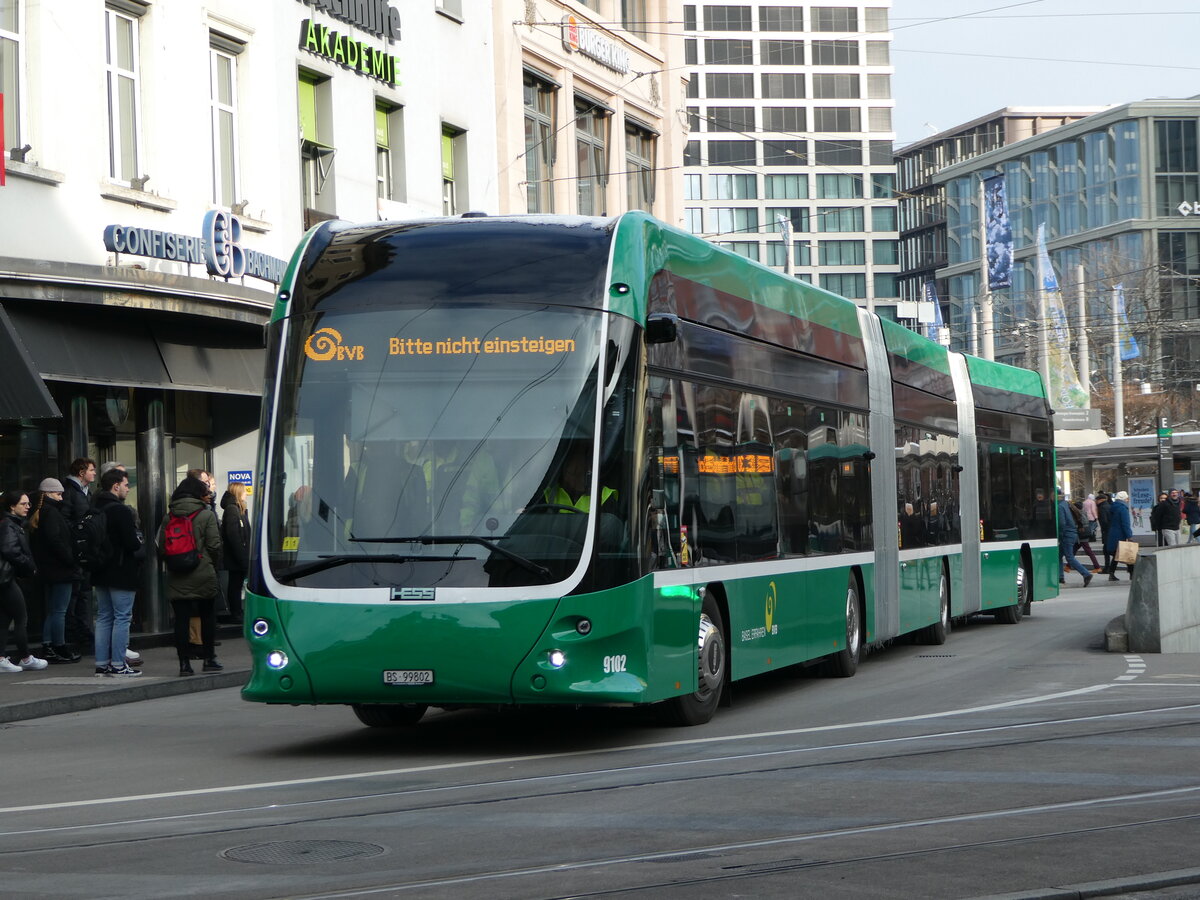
(1118, 375)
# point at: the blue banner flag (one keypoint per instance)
(933, 329)
(997, 233)
(1125, 340)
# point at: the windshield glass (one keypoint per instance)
(410, 442)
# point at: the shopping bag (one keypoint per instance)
(1127, 552)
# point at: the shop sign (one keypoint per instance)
(594, 45)
(342, 49)
(376, 17)
(219, 250)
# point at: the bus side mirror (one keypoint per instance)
(662, 329)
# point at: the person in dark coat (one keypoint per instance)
(1191, 511)
(1068, 537)
(77, 500)
(117, 582)
(53, 540)
(1120, 528)
(235, 533)
(17, 561)
(194, 593)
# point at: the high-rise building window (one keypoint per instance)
(691, 186)
(731, 118)
(782, 53)
(883, 218)
(727, 18)
(784, 118)
(122, 68)
(732, 187)
(785, 153)
(834, 18)
(785, 187)
(878, 53)
(640, 146)
(879, 118)
(689, 17)
(835, 87)
(691, 55)
(838, 153)
(729, 85)
(876, 19)
(633, 15)
(780, 18)
(883, 185)
(849, 284)
(842, 253)
(11, 82)
(835, 53)
(839, 187)
(839, 219)
(691, 157)
(782, 85)
(693, 220)
(837, 118)
(885, 253)
(591, 156)
(389, 151)
(316, 147)
(540, 143)
(733, 219)
(879, 87)
(795, 216)
(731, 153)
(222, 59)
(728, 52)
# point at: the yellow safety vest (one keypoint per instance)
(559, 497)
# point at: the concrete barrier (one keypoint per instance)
(1162, 614)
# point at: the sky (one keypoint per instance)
(956, 60)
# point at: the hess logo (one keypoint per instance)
(326, 343)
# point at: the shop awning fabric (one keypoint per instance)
(23, 393)
(139, 351)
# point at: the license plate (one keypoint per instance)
(408, 676)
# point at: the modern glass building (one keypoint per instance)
(789, 153)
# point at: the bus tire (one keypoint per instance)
(712, 667)
(1011, 615)
(936, 633)
(389, 715)
(844, 663)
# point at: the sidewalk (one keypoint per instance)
(73, 687)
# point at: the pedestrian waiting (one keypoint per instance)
(16, 559)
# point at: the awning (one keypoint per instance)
(23, 393)
(136, 350)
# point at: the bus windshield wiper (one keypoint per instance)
(490, 544)
(321, 563)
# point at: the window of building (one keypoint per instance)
(691, 55)
(693, 220)
(733, 219)
(885, 285)
(691, 155)
(727, 18)
(879, 87)
(841, 253)
(782, 85)
(639, 165)
(731, 118)
(883, 218)
(785, 153)
(722, 85)
(838, 153)
(878, 53)
(834, 18)
(122, 69)
(732, 187)
(1175, 145)
(633, 16)
(11, 84)
(785, 187)
(796, 216)
(748, 249)
(784, 118)
(691, 187)
(885, 253)
(876, 19)
(839, 187)
(729, 51)
(780, 18)
(880, 153)
(837, 118)
(591, 156)
(689, 17)
(222, 59)
(454, 180)
(389, 151)
(883, 185)
(879, 118)
(693, 85)
(835, 87)
(317, 151)
(852, 285)
(839, 219)
(541, 145)
(452, 8)
(782, 53)
(693, 114)
(835, 53)
(731, 153)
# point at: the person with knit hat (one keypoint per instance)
(53, 543)
(1120, 528)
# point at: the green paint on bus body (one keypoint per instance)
(907, 343)
(1005, 378)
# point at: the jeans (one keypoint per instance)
(1170, 537)
(114, 609)
(1066, 549)
(12, 609)
(54, 628)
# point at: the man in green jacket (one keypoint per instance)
(192, 592)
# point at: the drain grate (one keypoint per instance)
(281, 853)
(935, 656)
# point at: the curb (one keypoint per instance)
(1148, 882)
(126, 693)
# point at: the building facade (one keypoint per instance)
(1117, 194)
(147, 218)
(789, 156)
(587, 97)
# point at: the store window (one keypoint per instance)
(591, 151)
(11, 83)
(389, 151)
(122, 70)
(640, 145)
(540, 143)
(222, 58)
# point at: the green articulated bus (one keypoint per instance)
(600, 461)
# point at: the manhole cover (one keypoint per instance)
(293, 852)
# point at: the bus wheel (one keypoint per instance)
(844, 663)
(713, 661)
(389, 715)
(1011, 615)
(936, 633)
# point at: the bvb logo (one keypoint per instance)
(772, 598)
(323, 344)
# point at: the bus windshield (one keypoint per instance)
(411, 442)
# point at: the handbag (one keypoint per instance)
(6, 571)
(1127, 552)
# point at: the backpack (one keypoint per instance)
(180, 552)
(93, 549)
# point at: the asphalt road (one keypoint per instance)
(1017, 760)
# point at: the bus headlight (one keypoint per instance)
(260, 627)
(277, 659)
(557, 659)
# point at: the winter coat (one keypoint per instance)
(1104, 514)
(125, 538)
(1165, 516)
(53, 543)
(200, 583)
(1120, 526)
(235, 530)
(14, 545)
(75, 501)
(1068, 531)
(1191, 508)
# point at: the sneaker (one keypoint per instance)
(1087, 580)
(1113, 578)
(67, 653)
(133, 658)
(104, 670)
(211, 665)
(7, 665)
(124, 670)
(32, 663)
